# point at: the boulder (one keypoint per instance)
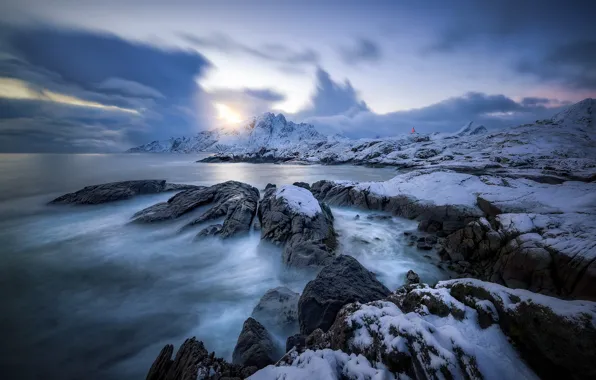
(278, 310)
(116, 191)
(254, 347)
(292, 217)
(235, 201)
(193, 360)
(412, 278)
(304, 185)
(466, 329)
(341, 282)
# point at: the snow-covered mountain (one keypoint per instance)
(268, 131)
(561, 147)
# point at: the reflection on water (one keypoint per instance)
(86, 295)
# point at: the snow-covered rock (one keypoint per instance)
(538, 237)
(291, 216)
(459, 329)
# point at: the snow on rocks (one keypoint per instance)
(325, 364)
(292, 217)
(299, 200)
(460, 329)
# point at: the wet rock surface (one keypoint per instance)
(117, 191)
(309, 238)
(278, 310)
(342, 281)
(254, 347)
(193, 361)
(235, 201)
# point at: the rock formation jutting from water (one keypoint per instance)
(511, 211)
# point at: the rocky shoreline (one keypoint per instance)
(531, 240)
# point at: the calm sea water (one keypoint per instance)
(85, 295)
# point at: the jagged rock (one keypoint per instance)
(254, 347)
(296, 340)
(426, 153)
(212, 230)
(193, 361)
(236, 201)
(343, 281)
(304, 185)
(412, 278)
(116, 191)
(550, 254)
(277, 310)
(292, 217)
(443, 332)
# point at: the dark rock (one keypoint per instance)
(357, 217)
(270, 186)
(412, 278)
(308, 240)
(423, 245)
(341, 282)
(277, 310)
(116, 191)
(296, 340)
(192, 360)
(211, 230)
(236, 201)
(254, 347)
(303, 185)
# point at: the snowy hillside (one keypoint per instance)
(562, 147)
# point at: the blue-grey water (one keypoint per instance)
(85, 295)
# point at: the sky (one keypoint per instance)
(102, 76)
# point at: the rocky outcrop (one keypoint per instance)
(193, 361)
(254, 347)
(341, 282)
(235, 201)
(292, 217)
(439, 218)
(550, 254)
(277, 310)
(465, 329)
(117, 191)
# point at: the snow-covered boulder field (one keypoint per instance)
(459, 329)
(512, 231)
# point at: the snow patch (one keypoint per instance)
(299, 199)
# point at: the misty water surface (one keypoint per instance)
(85, 295)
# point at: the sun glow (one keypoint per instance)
(227, 114)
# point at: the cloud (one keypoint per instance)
(246, 102)
(265, 94)
(277, 53)
(73, 77)
(332, 98)
(493, 111)
(364, 50)
(549, 41)
(571, 64)
(128, 87)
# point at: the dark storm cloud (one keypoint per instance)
(572, 64)
(158, 85)
(332, 98)
(269, 52)
(363, 50)
(265, 94)
(551, 41)
(338, 109)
